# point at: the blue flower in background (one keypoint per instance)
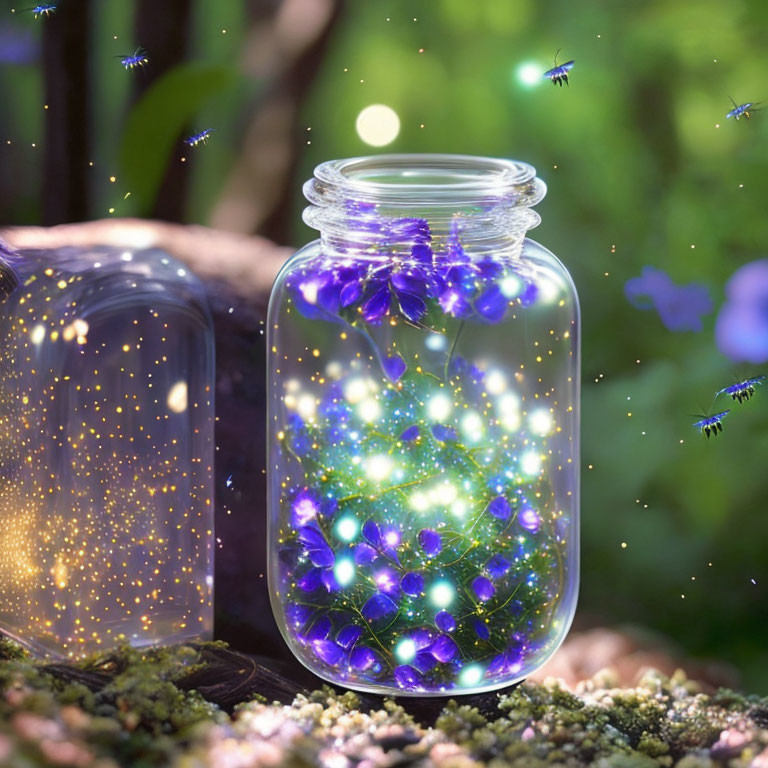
(741, 330)
(680, 307)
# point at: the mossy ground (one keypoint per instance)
(127, 709)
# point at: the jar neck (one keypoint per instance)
(383, 206)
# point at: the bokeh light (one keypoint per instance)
(378, 125)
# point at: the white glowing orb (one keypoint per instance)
(472, 426)
(37, 335)
(347, 528)
(306, 406)
(309, 291)
(378, 125)
(549, 290)
(442, 594)
(443, 494)
(177, 397)
(459, 508)
(509, 412)
(405, 650)
(530, 463)
(439, 407)
(540, 422)
(511, 286)
(529, 74)
(495, 382)
(378, 468)
(435, 342)
(355, 390)
(369, 410)
(344, 571)
(471, 675)
(419, 502)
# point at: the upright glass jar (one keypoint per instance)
(106, 456)
(423, 429)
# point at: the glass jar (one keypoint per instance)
(423, 429)
(106, 461)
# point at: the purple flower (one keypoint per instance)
(680, 307)
(500, 507)
(424, 661)
(412, 584)
(378, 606)
(349, 635)
(317, 549)
(497, 566)
(410, 433)
(305, 507)
(445, 622)
(365, 554)
(443, 434)
(528, 518)
(481, 629)
(483, 588)
(362, 658)
(328, 651)
(386, 581)
(407, 676)
(741, 330)
(372, 533)
(394, 367)
(429, 541)
(311, 580)
(444, 649)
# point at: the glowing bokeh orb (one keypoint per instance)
(442, 594)
(529, 74)
(347, 528)
(344, 571)
(378, 125)
(405, 650)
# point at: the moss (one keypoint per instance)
(126, 708)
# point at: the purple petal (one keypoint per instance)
(444, 649)
(410, 433)
(378, 606)
(500, 507)
(529, 295)
(319, 630)
(411, 305)
(483, 588)
(350, 293)
(528, 518)
(328, 651)
(394, 367)
(445, 622)
(424, 661)
(497, 566)
(329, 581)
(362, 658)
(481, 629)
(423, 638)
(365, 554)
(407, 676)
(429, 541)
(443, 433)
(409, 283)
(349, 635)
(377, 304)
(452, 302)
(491, 304)
(422, 253)
(311, 580)
(412, 584)
(372, 533)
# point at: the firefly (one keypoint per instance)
(742, 110)
(136, 60)
(742, 390)
(559, 73)
(199, 138)
(711, 425)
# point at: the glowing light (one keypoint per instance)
(37, 334)
(347, 528)
(511, 286)
(509, 412)
(495, 382)
(177, 397)
(549, 291)
(405, 650)
(442, 594)
(530, 463)
(471, 675)
(378, 125)
(459, 508)
(344, 571)
(435, 342)
(369, 410)
(355, 390)
(529, 74)
(443, 494)
(306, 407)
(379, 468)
(540, 422)
(309, 292)
(439, 407)
(472, 426)
(419, 501)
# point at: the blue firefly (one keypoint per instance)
(711, 424)
(559, 73)
(137, 59)
(742, 110)
(199, 138)
(742, 390)
(229, 481)
(44, 9)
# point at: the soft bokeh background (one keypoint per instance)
(643, 169)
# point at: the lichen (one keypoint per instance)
(127, 708)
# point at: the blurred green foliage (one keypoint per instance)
(641, 166)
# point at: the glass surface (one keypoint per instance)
(423, 431)
(106, 402)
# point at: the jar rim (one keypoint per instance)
(443, 179)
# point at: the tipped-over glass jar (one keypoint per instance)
(423, 429)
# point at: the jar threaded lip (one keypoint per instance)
(439, 179)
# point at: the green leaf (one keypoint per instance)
(157, 120)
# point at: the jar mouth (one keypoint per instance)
(413, 179)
